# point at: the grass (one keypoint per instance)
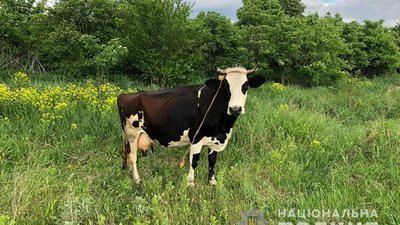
(320, 148)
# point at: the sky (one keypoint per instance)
(358, 10)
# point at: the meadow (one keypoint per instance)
(331, 148)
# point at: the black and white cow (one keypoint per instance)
(171, 118)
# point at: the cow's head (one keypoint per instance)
(236, 83)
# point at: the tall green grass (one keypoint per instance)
(320, 148)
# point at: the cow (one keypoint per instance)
(199, 115)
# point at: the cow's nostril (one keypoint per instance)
(235, 110)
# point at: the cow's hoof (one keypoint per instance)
(190, 183)
(137, 180)
(212, 182)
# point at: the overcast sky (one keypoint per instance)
(359, 10)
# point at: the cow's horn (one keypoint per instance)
(252, 70)
(223, 72)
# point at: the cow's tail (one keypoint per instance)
(125, 144)
(121, 114)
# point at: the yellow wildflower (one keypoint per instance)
(277, 87)
(366, 83)
(74, 126)
(6, 94)
(315, 143)
(21, 78)
(60, 106)
(110, 102)
(27, 95)
(283, 107)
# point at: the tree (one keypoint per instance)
(16, 45)
(219, 43)
(322, 46)
(256, 17)
(91, 17)
(383, 54)
(158, 36)
(258, 12)
(301, 50)
(396, 33)
(292, 7)
(306, 51)
(356, 57)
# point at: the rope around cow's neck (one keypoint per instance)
(182, 161)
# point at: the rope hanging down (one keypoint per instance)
(182, 161)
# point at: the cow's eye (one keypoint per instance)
(245, 87)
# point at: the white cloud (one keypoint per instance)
(225, 7)
(359, 10)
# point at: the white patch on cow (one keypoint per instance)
(236, 77)
(184, 140)
(214, 144)
(132, 132)
(198, 96)
(194, 149)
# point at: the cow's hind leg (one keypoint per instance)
(132, 159)
(212, 159)
(194, 159)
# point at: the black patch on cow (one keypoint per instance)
(213, 83)
(217, 143)
(221, 138)
(212, 159)
(140, 115)
(245, 87)
(121, 117)
(195, 160)
(256, 81)
(135, 124)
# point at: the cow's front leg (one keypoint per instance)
(212, 159)
(132, 159)
(194, 160)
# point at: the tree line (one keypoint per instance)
(156, 41)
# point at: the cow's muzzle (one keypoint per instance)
(235, 110)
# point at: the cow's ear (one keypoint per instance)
(212, 83)
(256, 81)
